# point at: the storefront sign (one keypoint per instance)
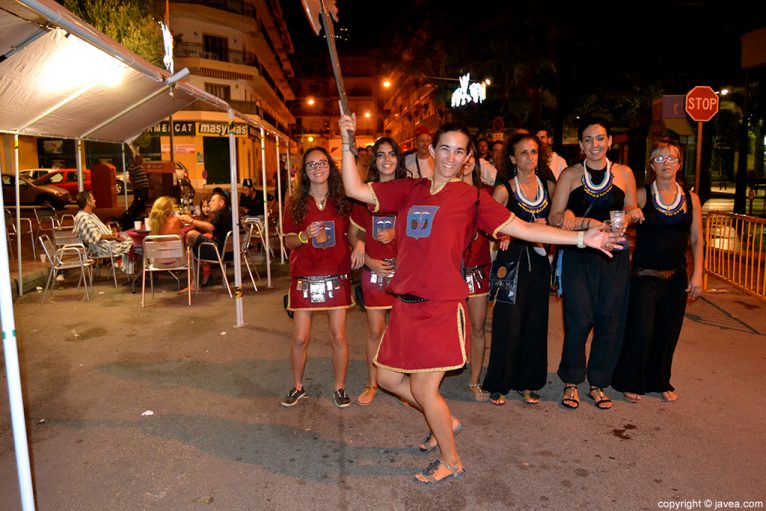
(180, 128)
(180, 148)
(220, 129)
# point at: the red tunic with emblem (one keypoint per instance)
(432, 232)
(331, 259)
(375, 286)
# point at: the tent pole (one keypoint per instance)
(78, 155)
(265, 207)
(124, 176)
(279, 203)
(11, 354)
(238, 291)
(20, 289)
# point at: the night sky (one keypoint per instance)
(679, 43)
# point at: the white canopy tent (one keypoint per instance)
(60, 77)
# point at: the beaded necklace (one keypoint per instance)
(593, 190)
(536, 205)
(668, 210)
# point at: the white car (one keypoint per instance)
(34, 174)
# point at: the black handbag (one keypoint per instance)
(503, 281)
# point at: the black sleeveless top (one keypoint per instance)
(514, 206)
(583, 205)
(662, 240)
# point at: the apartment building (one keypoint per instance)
(237, 50)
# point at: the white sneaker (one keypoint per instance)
(59, 278)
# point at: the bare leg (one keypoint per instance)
(376, 325)
(339, 346)
(425, 389)
(397, 384)
(299, 350)
(477, 314)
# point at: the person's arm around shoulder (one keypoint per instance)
(695, 237)
(352, 183)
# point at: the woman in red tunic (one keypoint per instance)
(316, 225)
(379, 255)
(478, 263)
(426, 333)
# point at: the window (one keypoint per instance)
(215, 47)
(218, 90)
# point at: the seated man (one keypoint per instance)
(219, 225)
(251, 200)
(94, 233)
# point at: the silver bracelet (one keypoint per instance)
(580, 239)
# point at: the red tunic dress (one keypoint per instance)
(320, 271)
(432, 232)
(375, 286)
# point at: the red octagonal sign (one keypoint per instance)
(701, 103)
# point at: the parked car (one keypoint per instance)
(34, 174)
(123, 179)
(34, 194)
(65, 178)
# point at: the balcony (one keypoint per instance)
(197, 50)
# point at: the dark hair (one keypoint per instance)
(299, 201)
(373, 174)
(224, 195)
(447, 127)
(476, 170)
(590, 121)
(82, 198)
(508, 170)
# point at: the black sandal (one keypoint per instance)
(571, 398)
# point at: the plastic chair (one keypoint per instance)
(26, 228)
(66, 257)
(165, 253)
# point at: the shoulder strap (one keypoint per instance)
(467, 251)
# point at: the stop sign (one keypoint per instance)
(701, 103)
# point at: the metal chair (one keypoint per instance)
(67, 220)
(99, 258)
(46, 220)
(244, 247)
(67, 257)
(165, 253)
(26, 228)
(214, 257)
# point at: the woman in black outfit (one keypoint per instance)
(518, 357)
(659, 287)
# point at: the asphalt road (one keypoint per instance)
(218, 438)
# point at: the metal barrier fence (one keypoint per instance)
(734, 251)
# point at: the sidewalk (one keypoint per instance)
(217, 437)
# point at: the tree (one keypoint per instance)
(131, 23)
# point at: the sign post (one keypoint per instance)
(701, 105)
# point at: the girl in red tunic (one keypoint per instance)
(478, 263)
(379, 256)
(316, 226)
(426, 334)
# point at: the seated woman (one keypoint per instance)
(162, 219)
